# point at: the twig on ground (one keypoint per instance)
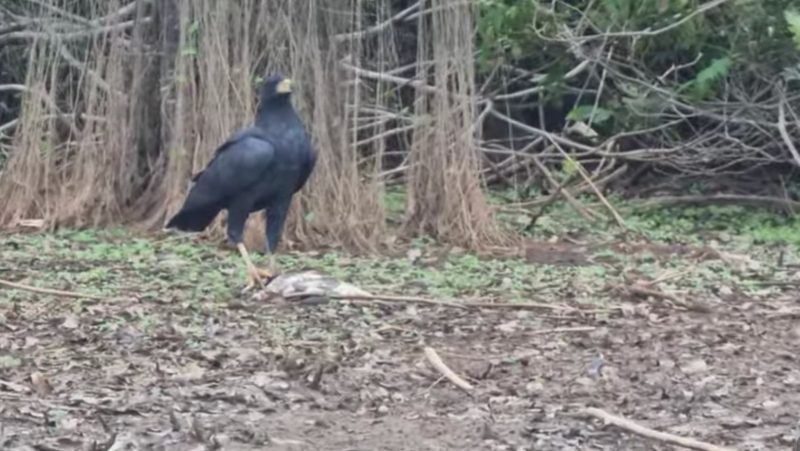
(458, 305)
(18, 388)
(70, 294)
(436, 362)
(638, 429)
(561, 330)
(669, 275)
(398, 299)
(645, 290)
(519, 306)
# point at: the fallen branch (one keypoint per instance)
(519, 306)
(561, 330)
(18, 388)
(436, 362)
(587, 213)
(638, 429)
(398, 299)
(646, 290)
(617, 218)
(70, 294)
(458, 305)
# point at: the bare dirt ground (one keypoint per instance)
(129, 373)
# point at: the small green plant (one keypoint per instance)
(703, 83)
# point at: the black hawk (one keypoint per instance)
(260, 167)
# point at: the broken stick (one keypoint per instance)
(69, 294)
(437, 363)
(636, 428)
(459, 305)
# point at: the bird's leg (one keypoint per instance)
(273, 265)
(272, 270)
(275, 216)
(253, 273)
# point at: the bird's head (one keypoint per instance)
(275, 86)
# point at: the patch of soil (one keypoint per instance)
(130, 374)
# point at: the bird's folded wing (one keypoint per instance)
(238, 164)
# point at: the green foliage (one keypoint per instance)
(703, 83)
(177, 269)
(570, 167)
(503, 30)
(585, 113)
(685, 224)
(193, 41)
(746, 39)
(793, 21)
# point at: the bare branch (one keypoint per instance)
(378, 27)
(61, 12)
(785, 133)
(31, 35)
(8, 125)
(648, 32)
(375, 75)
(575, 71)
(119, 14)
(96, 78)
(14, 87)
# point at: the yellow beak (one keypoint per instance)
(285, 86)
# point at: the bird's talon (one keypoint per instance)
(266, 274)
(248, 287)
(254, 281)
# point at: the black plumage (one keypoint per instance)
(260, 167)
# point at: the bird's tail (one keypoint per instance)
(194, 220)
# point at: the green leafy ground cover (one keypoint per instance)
(172, 356)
